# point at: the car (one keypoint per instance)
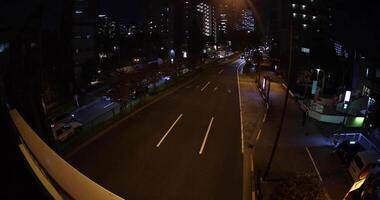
(64, 130)
(362, 163)
(347, 150)
(367, 188)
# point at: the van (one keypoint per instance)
(362, 163)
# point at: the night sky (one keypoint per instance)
(358, 26)
(128, 11)
(357, 22)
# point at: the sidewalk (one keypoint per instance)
(303, 148)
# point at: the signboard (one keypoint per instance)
(347, 96)
(314, 87)
(355, 122)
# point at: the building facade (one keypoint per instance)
(247, 22)
(305, 39)
(84, 37)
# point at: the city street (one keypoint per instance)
(188, 145)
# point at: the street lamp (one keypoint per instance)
(323, 79)
(346, 104)
(318, 70)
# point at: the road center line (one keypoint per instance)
(205, 138)
(167, 132)
(108, 105)
(252, 166)
(258, 135)
(204, 87)
(221, 71)
(312, 160)
(265, 117)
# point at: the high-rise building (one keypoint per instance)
(182, 22)
(165, 20)
(206, 11)
(209, 24)
(84, 48)
(165, 26)
(247, 22)
(223, 21)
(305, 26)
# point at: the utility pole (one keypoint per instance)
(268, 167)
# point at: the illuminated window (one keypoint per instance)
(303, 7)
(304, 16)
(314, 17)
(294, 5)
(294, 14)
(338, 49)
(304, 26)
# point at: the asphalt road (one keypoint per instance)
(95, 110)
(185, 146)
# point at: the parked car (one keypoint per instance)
(347, 150)
(64, 130)
(367, 188)
(362, 163)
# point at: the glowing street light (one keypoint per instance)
(318, 70)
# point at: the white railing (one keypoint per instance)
(43, 160)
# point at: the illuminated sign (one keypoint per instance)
(355, 122)
(347, 96)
